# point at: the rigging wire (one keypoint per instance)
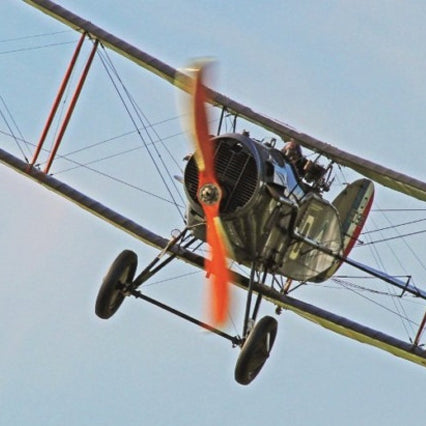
(132, 118)
(350, 287)
(396, 302)
(344, 180)
(393, 226)
(398, 306)
(8, 40)
(122, 135)
(123, 152)
(421, 263)
(121, 181)
(12, 133)
(172, 278)
(398, 210)
(364, 288)
(143, 120)
(159, 139)
(98, 160)
(96, 171)
(396, 237)
(26, 49)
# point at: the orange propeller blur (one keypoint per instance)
(209, 196)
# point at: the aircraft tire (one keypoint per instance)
(256, 350)
(110, 296)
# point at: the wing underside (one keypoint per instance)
(387, 177)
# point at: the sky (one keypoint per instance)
(350, 73)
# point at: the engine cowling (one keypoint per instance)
(237, 171)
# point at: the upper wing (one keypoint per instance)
(387, 177)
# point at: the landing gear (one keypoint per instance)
(120, 280)
(258, 339)
(112, 292)
(255, 350)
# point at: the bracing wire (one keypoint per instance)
(411, 222)
(98, 160)
(143, 120)
(12, 133)
(26, 49)
(123, 182)
(132, 118)
(350, 287)
(396, 237)
(106, 175)
(8, 40)
(399, 308)
(129, 133)
(396, 302)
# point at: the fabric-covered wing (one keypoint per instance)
(387, 177)
(327, 319)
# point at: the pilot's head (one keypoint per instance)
(292, 150)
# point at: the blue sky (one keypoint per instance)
(347, 72)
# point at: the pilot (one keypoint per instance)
(307, 170)
(293, 152)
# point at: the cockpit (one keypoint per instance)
(285, 176)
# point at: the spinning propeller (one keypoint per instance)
(209, 195)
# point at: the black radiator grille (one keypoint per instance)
(235, 170)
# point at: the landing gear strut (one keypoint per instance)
(258, 338)
(120, 280)
(119, 283)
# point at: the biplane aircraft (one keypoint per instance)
(259, 204)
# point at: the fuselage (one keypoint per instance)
(263, 203)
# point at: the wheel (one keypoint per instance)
(256, 350)
(110, 295)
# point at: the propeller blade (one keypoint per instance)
(203, 148)
(217, 268)
(209, 196)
